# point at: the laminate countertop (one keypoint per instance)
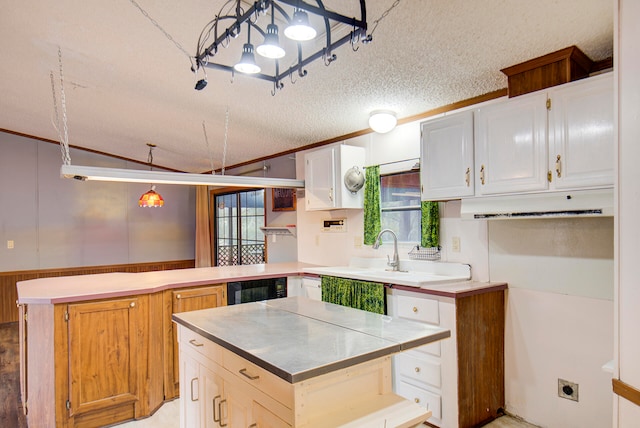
(296, 338)
(66, 289)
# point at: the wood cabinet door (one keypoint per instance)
(581, 142)
(446, 157)
(185, 300)
(103, 354)
(511, 146)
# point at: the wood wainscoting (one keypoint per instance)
(8, 280)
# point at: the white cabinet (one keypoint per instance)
(218, 388)
(459, 379)
(557, 139)
(446, 157)
(324, 178)
(581, 149)
(213, 396)
(511, 148)
(312, 288)
(304, 286)
(418, 373)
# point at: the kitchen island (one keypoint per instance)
(298, 361)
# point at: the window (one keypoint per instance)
(400, 205)
(238, 217)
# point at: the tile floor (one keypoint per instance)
(168, 416)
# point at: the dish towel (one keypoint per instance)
(365, 295)
(430, 224)
(372, 223)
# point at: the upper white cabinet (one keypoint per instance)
(581, 133)
(511, 148)
(324, 178)
(557, 139)
(446, 157)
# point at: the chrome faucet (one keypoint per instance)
(395, 263)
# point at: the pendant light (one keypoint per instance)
(270, 47)
(247, 63)
(300, 29)
(151, 199)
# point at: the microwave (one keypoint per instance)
(256, 290)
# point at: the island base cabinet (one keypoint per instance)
(221, 389)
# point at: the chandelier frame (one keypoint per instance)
(224, 36)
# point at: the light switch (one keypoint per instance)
(455, 244)
(10, 244)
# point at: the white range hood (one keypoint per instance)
(579, 203)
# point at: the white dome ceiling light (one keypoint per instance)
(382, 121)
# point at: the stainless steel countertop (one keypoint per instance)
(296, 338)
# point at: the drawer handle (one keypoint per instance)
(197, 398)
(220, 409)
(214, 409)
(417, 369)
(195, 343)
(415, 309)
(244, 373)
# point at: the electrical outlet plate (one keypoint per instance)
(567, 389)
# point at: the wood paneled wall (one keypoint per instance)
(8, 280)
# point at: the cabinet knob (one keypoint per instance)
(415, 309)
(132, 304)
(178, 296)
(416, 400)
(417, 369)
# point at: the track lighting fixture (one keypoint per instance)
(303, 22)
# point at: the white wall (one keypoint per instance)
(559, 320)
(57, 223)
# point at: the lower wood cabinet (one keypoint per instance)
(184, 300)
(91, 364)
(97, 363)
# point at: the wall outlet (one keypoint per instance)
(567, 389)
(357, 241)
(10, 244)
(455, 244)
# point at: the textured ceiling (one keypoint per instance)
(126, 84)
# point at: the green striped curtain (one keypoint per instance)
(368, 296)
(430, 224)
(372, 222)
